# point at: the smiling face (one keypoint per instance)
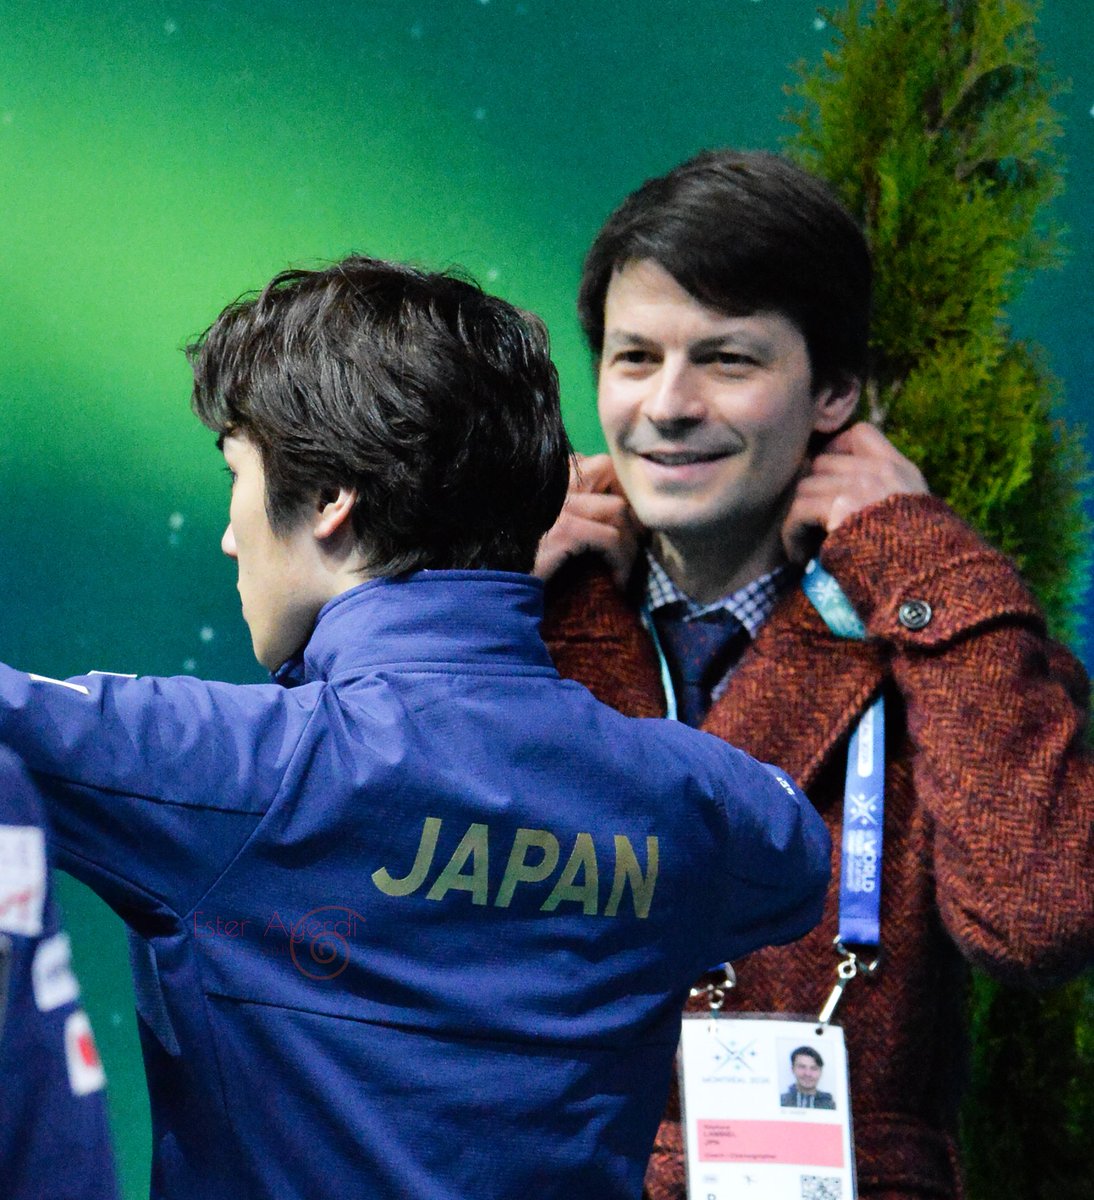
(280, 584)
(807, 1073)
(707, 416)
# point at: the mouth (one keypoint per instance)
(684, 458)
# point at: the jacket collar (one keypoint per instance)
(470, 618)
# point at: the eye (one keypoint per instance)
(634, 356)
(231, 475)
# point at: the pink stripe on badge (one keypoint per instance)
(804, 1144)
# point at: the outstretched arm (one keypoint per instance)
(151, 785)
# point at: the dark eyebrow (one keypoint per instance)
(220, 442)
(711, 344)
(620, 337)
(733, 339)
(708, 345)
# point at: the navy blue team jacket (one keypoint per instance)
(421, 925)
(54, 1139)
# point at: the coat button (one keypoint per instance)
(914, 614)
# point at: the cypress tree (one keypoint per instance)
(934, 120)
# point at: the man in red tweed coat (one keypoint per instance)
(727, 306)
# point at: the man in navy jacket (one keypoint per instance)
(417, 918)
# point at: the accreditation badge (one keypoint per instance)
(766, 1109)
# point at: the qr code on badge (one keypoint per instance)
(821, 1187)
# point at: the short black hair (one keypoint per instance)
(809, 1052)
(746, 232)
(437, 402)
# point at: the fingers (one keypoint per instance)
(858, 468)
(593, 473)
(593, 519)
(867, 446)
(861, 438)
(804, 527)
(869, 466)
(826, 501)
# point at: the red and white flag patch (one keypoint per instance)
(85, 1068)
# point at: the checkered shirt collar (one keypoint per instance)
(751, 604)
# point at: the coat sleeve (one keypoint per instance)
(996, 714)
(151, 785)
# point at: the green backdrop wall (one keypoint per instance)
(158, 158)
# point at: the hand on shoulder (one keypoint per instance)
(594, 518)
(857, 468)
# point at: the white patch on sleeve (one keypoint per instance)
(76, 687)
(22, 879)
(114, 674)
(85, 1067)
(51, 973)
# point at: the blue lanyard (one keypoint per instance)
(671, 712)
(864, 785)
(863, 801)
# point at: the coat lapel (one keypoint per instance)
(797, 691)
(595, 636)
(795, 694)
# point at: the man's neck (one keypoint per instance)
(707, 568)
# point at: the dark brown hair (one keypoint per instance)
(746, 232)
(438, 403)
(807, 1052)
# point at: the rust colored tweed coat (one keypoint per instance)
(988, 844)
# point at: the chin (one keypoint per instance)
(264, 655)
(680, 519)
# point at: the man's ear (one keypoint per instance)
(835, 404)
(333, 511)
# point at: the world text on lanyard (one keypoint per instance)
(863, 803)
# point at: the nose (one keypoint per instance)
(228, 542)
(675, 400)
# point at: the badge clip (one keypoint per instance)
(850, 965)
(716, 992)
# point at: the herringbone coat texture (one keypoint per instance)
(989, 850)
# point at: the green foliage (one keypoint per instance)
(1027, 1135)
(934, 120)
(983, 433)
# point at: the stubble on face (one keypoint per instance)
(708, 419)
